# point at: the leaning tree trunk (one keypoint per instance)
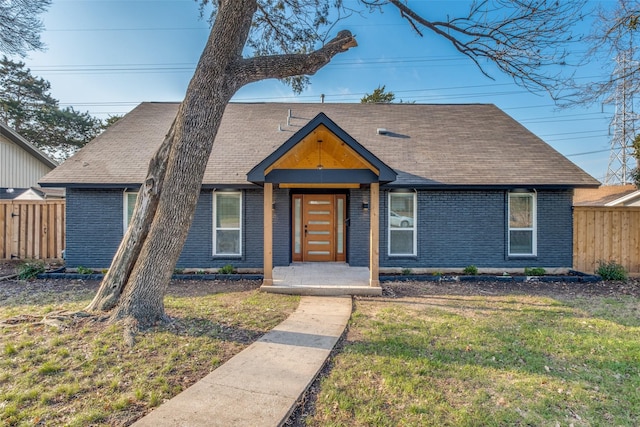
(142, 268)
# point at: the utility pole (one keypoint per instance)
(621, 159)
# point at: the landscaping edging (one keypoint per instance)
(574, 277)
(100, 276)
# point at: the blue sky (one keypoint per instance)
(106, 56)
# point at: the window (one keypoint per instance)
(402, 224)
(522, 224)
(129, 203)
(227, 230)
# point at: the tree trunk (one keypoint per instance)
(143, 266)
(114, 281)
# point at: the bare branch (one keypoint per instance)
(525, 39)
(282, 66)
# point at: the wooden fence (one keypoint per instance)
(607, 234)
(32, 229)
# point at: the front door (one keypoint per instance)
(318, 227)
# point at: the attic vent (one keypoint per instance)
(382, 131)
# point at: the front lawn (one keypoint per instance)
(81, 373)
(479, 358)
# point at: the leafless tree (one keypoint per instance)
(20, 26)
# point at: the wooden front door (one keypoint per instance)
(319, 227)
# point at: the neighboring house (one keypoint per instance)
(608, 195)
(447, 186)
(21, 166)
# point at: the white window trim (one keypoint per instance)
(533, 229)
(125, 209)
(215, 229)
(414, 228)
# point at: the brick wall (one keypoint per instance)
(94, 230)
(455, 229)
(460, 228)
(94, 227)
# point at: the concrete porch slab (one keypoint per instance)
(321, 278)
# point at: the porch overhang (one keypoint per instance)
(321, 155)
(321, 176)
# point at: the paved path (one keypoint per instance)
(261, 385)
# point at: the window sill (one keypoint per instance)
(223, 256)
(415, 257)
(517, 257)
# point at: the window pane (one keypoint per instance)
(131, 204)
(228, 242)
(401, 242)
(227, 210)
(297, 226)
(340, 226)
(520, 211)
(401, 212)
(521, 242)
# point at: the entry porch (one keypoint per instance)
(322, 278)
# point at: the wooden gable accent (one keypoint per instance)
(321, 149)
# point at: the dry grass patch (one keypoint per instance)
(83, 373)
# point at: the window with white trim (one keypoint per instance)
(129, 204)
(522, 224)
(402, 224)
(227, 226)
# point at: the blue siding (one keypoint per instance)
(455, 229)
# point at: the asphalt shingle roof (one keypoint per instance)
(428, 145)
(601, 196)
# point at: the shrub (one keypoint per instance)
(30, 269)
(471, 270)
(534, 271)
(406, 271)
(178, 271)
(84, 270)
(611, 271)
(227, 269)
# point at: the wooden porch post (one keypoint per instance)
(268, 235)
(374, 234)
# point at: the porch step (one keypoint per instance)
(323, 290)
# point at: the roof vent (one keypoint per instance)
(382, 131)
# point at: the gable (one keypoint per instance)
(321, 148)
(21, 163)
(321, 153)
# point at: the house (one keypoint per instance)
(608, 195)
(21, 166)
(383, 186)
(32, 193)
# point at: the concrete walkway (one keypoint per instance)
(261, 385)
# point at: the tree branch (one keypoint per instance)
(249, 70)
(523, 38)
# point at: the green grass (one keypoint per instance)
(486, 361)
(86, 375)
